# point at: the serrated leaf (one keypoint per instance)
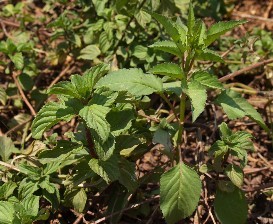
(235, 106)
(90, 52)
(107, 170)
(3, 96)
(225, 130)
(6, 212)
(140, 52)
(235, 174)
(52, 166)
(231, 207)
(61, 150)
(6, 148)
(27, 187)
(104, 97)
(199, 33)
(105, 149)
(167, 46)
(104, 42)
(241, 140)
(191, 21)
(80, 87)
(168, 24)
(142, 18)
(45, 184)
(31, 205)
(93, 75)
(180, 190)
(65, 88)
(120, 120)
(95, 118)
(220, 28)
(198, 97)
(49, 115)
(7, 189)
(168, 69)
(127, 175)
(133, 81)
(207, 79)
(18, 60)
(209, 55)
(33, 172)
(173, 87)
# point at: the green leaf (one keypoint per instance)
(231, 207)
(95, 118)
(105, 149)
(104, 97)
(235, 106)
(45, 184)
(133, 81)
(3, 96)
(140, 52)
(127, 175)
(120, 120)
(34, 173)
(31, 205)
(104, 42)
(220, 28)
(64, 88)
(209, 55)
(18, 60)
(142, 18)
(76, 197)
(225, 130)
(163, 137)
(90, 52)
(61, 150)
(54, 198)
(80, 87)
(27, 187)
(6, 148)
(191, 22)
(167, 46)
(7, 212)
(180, 190)
(49, 115)
(199, 34)
(173, 87)
(168, 69)
(207, 79)
(198, 97)
(26, 81)
(235, 174)
(169, 26)
(51, 167)
(108, 169)
(7, 189)
(93, 75)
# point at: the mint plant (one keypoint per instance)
(180, 187)
(115, 125)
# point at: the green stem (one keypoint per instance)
(182, 110)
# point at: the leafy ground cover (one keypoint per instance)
(118, 112)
